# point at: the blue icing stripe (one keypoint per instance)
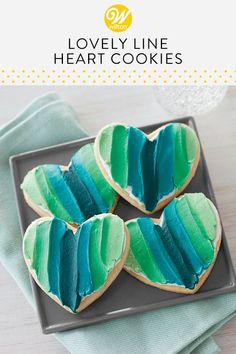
(68, 271)
(85, 284)
(55, 177)
(188, 276)
(165, 166)
(153, 236)
(156, 159)
(149, 180)
(141, 163)
(57, 232)
(182, 239)
(136, 140)
(100, 204)
(80, 192)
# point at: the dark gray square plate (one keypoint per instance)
(126, 295)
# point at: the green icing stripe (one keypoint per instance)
(88, 159)
(111, 251)
(142, 254)
(196, 233)
(180, 157)
(106, 247)
(46, 188)
(28, 242)
(31, 188)
(105, 144)
(41, 249)
(186, 145)
(192, 144)
(203, 214)
(98, 268)
(119, 156)
(132, 263)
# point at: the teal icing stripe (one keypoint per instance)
(81, 193)
(188, 275)
(63, 192)
(183, 242)
(68, 271)
(85, 285)
(96, 200)
(136, 141)
(149, 185)
(107, 193)
(57, 232)
(153, 236)
(165, 166)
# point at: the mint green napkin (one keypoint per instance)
(180, 329)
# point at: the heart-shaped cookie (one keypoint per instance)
(148, 171)
(75, 267)
(74, 193)
(177, 252)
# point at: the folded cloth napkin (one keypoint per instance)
(180, 329)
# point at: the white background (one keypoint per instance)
(30, 31)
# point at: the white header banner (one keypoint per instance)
(111, 43)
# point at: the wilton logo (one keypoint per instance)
(118, 18)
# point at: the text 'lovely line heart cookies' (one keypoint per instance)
(148, 170)
(177, 252)
(74, 193)
(76, 267)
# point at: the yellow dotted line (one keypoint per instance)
(164, 82)
(114, 71)
(124, 76)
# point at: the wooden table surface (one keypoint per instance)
(20, 330)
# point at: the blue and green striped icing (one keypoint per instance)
(72, 266)
(179, 249)
(73, 195)
(148, 169)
